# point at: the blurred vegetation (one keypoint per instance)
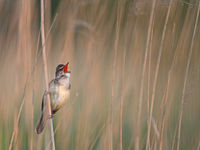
(84, 33)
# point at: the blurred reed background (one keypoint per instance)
(88, 34)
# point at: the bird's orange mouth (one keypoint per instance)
(65, 68)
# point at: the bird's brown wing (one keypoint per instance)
(51, 86)
(44, 116)
(43, 99)
(54, 92)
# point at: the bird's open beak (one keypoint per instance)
(65, 68)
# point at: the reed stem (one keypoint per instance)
(122, 99)
(45, 72)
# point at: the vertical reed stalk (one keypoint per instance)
(45, 71)
(122, 98)
(137, 140)
(185, 78)
(149, 73)
(113, 77)
(156, 74)
(32, 122)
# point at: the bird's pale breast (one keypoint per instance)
(59, 96)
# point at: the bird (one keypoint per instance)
(59, 93)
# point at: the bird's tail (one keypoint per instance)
(41, 124)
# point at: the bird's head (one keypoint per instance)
(62, 70)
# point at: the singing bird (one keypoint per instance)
(59, 92)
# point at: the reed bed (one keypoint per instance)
(135, 73)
